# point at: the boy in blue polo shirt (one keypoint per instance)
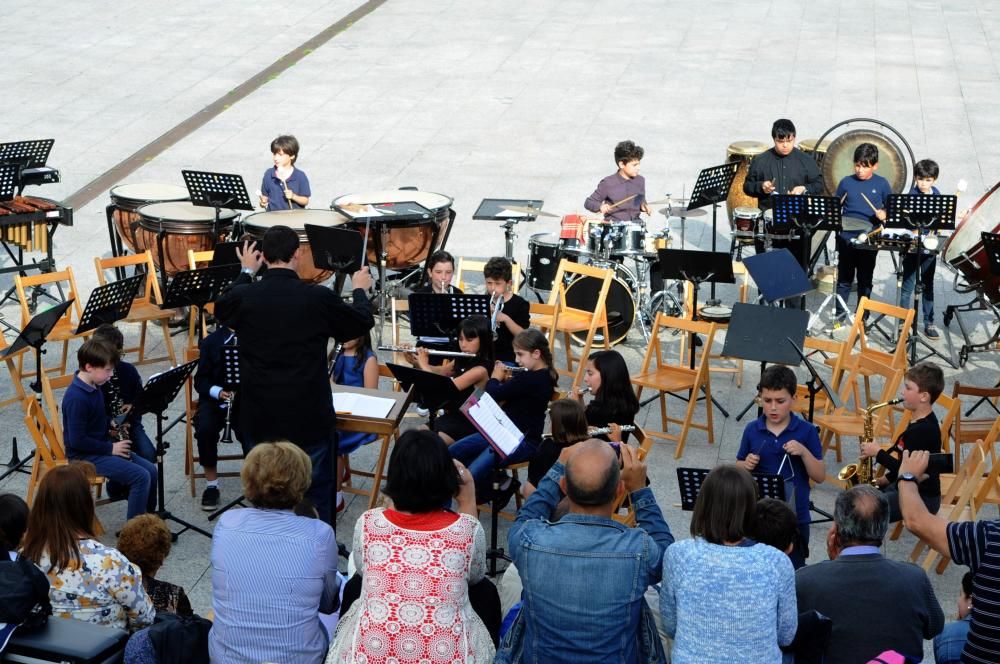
(86, 425)
(781, 443)
(284, 187)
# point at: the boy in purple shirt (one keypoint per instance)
(86, 425)
(284, 187)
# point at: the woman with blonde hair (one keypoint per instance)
(272, 571)
(88, 581)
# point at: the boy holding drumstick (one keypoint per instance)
(284, 187)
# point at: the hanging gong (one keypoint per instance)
(838, 162)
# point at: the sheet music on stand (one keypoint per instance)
(109, 303)
(217, 190)
(689, 481)
(8, 181)
(439, 315)
(495, 209)
(921, 212)
(26, 154)
(498, 429)
(712, 185)
(231, 366)
(991, 243)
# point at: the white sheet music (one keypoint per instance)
(495, 424)
(362, 405)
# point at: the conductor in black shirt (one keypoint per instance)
(284, 326)
(784, 169)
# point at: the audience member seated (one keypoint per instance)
(875, 604)
(776, 525)
(13, 523)
(584, 576)
(272, 571)
(949, 643)
(89, 581)
(725, 597)
(417, 560)
(145, 541)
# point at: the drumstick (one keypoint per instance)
(622, 202)
(870, 204)
(364, 245)
(843, 198)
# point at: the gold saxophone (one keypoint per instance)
(863, 472)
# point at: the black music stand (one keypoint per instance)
(110, 303)
(225, 254)
(432, 390)
(496, 209)
(156, 396)
(814, 378)
(757, 333)
(25, 155)
(696, 267)
(440, 314)
(711, 188)
(214, 190)
(196, 288)
(335, 249)
(921, 213)
(778, 275)
(689, 481)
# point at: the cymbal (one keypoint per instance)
(683, 214)
(670, 201)
(852, 224)
(534, 212)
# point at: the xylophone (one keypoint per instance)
(25, 222)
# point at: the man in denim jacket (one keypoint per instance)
(584, 576)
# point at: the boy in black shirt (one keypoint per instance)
(514, 314)
(922, 385)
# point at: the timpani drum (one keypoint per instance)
(743, 152)
(964, 251)
(408, 243)
(185, 227)
(126, 199)
(257, 224)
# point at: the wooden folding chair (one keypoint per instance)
(667, 378)
(847, 422)
(826, 348)
(989, 490)
(970, 430)
(570, 320)
(197, 259)
(191, 458)
(628, 517)
(470, 266)
(959, 502)
(65, 328)
(858, 343)
(146, 304)
(15, 374)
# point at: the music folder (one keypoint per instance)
(490, 420)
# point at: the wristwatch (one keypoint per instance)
(908, 477)
(247, 270)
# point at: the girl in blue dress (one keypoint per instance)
(355, 366)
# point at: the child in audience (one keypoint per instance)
(922, 385)
(284, 187)
(925, 174)
(568, 426)
(514, 315)
(777, 525)
(13, 523)
(524, 396)
(863, 197)
(949, 643)
(613, 401)
(467, 373)
(779, 442)
(355, 366)
(85, 429)
(122, 390)
(145, 541)
(214, 401)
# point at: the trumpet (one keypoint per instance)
(442, 287)
(441, 353)
(496, 306)
(604, 431)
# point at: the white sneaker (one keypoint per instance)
(423, 412)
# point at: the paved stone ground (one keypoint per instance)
(478, 100)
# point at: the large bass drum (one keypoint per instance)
(185, 226)
(257, 224)
(582, 294)
(964, 251)
(126, 199)
(408, 243)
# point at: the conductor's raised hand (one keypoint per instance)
(250, 257)
(362, 279)
(633, 469)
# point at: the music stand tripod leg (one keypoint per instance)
(162, 511)
(495, 552)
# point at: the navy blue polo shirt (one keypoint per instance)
(271, 187)
(85, 423)
(758, 440)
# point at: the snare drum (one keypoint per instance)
(745, 222)
(964, 251)
(185, 226)
(408, 242)
(716, 314)
(627, 238)
(543, 260)
(126, 199)
(257, 224)
(743, 152)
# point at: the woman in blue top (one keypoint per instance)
(355, 366)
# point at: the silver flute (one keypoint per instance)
(583, 390)
(442, 353)
(515, 369)
(603, 431)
